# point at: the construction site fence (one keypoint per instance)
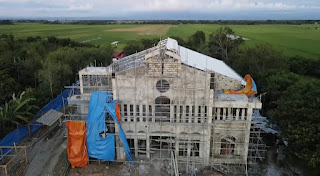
(15, 136)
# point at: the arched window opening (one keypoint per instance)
(227, 145)
(162, 109)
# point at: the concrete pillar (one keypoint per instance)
(230, 115)
(147, 113)
(171, 113)
(206, 148)
(128, 113)
(136, 147)
(153, 113)
(134, 113)
(190, 114)
(249, 114)
(140, 113)
(209, 114)
(224, 114)
(183, 114)
(203, 114)
(218, 113)
(81, 83)
(122, 112)
(196, 110)
(237, 113)
(242, 113)
(120, 150)
(147, 141)
(178, 114)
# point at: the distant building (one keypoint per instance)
(118, 55)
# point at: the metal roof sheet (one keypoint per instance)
(50, 117)
(206, 63)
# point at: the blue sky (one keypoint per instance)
(162, 9)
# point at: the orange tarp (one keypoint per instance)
(76, 148)
(249, 90)
(117, 111)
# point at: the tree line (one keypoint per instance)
(36, 70)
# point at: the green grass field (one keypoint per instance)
(291, 39)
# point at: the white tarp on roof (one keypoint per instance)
(172, 44)
(203, 62)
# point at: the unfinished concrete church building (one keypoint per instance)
(172, 107)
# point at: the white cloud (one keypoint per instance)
(80, 7)
(127, 7)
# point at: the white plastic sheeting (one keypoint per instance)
(263, 122)
(206, 63)
(172, 45)
(203, 62)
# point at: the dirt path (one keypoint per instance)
(44, 149)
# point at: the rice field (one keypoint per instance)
(291, 39)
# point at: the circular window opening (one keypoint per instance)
(162, 86)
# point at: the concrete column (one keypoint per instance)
(81, 83)
(224, 113)
(171, 113)
(120, 149)
(237, 113)
(147, 113)
(140, 112)
(128, 113)
(249, 114)
(183, 114)
(218, 113)
(135, 140)
(196, 110)
(177, 147)
(203, 114)
(134, 113)
(147, 142)
(242, 113)
(153, 113)
(122, 112)
(178, 114)
(230, 115)
(206, 148)
(190, 114)
(188, 148)
(209, 115)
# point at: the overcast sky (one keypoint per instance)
(163, 9)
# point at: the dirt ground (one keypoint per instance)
(115, 169)
(44, 149)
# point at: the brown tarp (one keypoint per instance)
(77, 150)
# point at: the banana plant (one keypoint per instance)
(17, 111)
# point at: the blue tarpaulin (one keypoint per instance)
(98, 146)
(16, 135)
(110, 107)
